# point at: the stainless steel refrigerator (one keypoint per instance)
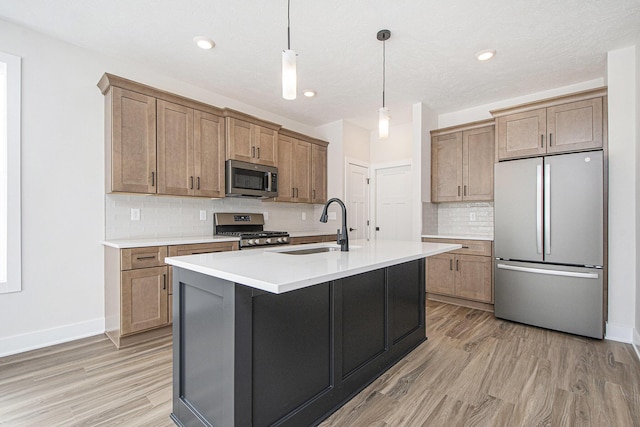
(548, 242)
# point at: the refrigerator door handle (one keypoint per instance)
(539, 209)
(547, 209)
(548, 272)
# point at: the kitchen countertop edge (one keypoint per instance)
(453, 236)
(165, 241)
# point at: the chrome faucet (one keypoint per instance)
(343, 237)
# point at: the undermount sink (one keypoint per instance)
(309, 251)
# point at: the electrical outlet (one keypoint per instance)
(135, 214)
(304, 216)
(332, 216)
(203, 215)
(472, 216)
(265, 215)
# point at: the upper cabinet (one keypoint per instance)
(302, 168)
(250, 139)
(570, 123)
(462, 160)
(160, 143)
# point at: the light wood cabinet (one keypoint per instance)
(130, 136)
(250, 139)
(462, 160)
(564, 124)
(139, 289)
(463, 276)
(190, 151)
(303, 240)
(302, 168)
(318, 173)
(161, 143)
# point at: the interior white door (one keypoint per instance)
(393, 207)
(357, 201)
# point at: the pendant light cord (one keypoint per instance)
(289, 24)
(384, 68)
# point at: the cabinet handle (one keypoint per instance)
(253, 151)
(296, 192)
(458, 191)
(190, 183)
(145, 257)
(164, 281)
(550, 139)
(457, 269)
(450, 264)
(314, 194)
(293, 192)
(198, 185)
(465, 190)
(541, 141)
(465, 247)
(153, 179)
(258, 150)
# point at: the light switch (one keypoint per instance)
(203, 215)
(472, 216)
(135, 214)
(265, 215)
(304, 216)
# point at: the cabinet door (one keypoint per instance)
(473, 277)
(266, 144)
(522, 134)
(575, 126)
(446, 168)
(208, 143)
(477, 164)
(132, 156)
(175, 149)
(318, 174)
(440, 274)
(239, 140)
(301, 171)
(286, 191)
(144, 299)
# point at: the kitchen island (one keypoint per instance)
(285, 336)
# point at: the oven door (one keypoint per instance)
(250, 180)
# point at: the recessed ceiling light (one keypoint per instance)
(309, 93)
(485, 55)
(204, 42)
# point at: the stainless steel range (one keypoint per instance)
(249, 227)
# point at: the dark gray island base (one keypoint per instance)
(246, 357)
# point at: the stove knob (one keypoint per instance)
(267, 241)
(285, 239)
(250, 241)
(257, 241)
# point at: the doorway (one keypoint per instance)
(357, 193)
(393, 202)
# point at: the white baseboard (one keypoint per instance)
(618, 332)
(636, 342)
(46, 337)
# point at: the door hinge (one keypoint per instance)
(367, 222)
(367, 180)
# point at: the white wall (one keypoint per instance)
(63, 200)
(397, 147)
(621, 78)
(356, 143)
(636, 335)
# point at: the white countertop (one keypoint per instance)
(275, 272)
(166, 241)
(452, 236)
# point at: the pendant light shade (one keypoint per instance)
(289, 76)
(383, 113)
(383, 123)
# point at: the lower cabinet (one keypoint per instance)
(138, 290)
(463, 276)
(303, 240)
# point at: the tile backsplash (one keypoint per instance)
(180, 216)
(462, 219)
(467, 219)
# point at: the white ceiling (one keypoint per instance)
(541, 44)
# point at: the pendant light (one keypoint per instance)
(383, 120)
(289, 78)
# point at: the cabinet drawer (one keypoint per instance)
(305, 240)
(202, 248)
(469, 247)
(152, 256)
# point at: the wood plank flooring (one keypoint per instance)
(474, 370)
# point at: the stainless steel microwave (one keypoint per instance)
(250, 180)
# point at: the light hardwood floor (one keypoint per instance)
(474, 370)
